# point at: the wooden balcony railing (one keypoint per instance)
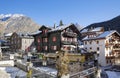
(69, 42)
(84, 73)
(69, 34)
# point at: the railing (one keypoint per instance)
(74, 43)
(66, 42)
(69, 42)
(116, 48)
(69, 34)
(5, 47)
(84, 73)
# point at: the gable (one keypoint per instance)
(43, 27)
(103, 35)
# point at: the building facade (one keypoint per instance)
(106, 45)
(20, 42)
(50, 40)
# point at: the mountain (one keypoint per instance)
(17, 23)
(113, 24)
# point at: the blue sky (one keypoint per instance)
(48, 12)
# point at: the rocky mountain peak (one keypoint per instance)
(20, 23)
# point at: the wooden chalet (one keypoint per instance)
(50, 40)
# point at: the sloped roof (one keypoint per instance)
(60, 28)
(23, 35)
(43, 26)
(8, 34)
(103, 35)
(84, 30)
(35, 33)
(97, 29)
(106, 34)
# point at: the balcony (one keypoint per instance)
(69, 42)
(116, 49)
(66, 42)
(74, 43)
(44, 34)
(69, 34)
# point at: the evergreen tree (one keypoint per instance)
(54, 26)
(61, 23)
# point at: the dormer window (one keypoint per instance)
(45, 31)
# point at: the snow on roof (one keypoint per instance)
(112, 74)
(84, 30)
(103, 35)
(37, 32)
(97, 29)
(106, 33)
(8, 34)
(60, 27)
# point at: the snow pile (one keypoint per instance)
(112, 74)
(48, 70)
(14, 71)
(3, 74)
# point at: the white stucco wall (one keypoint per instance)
(94, 45)
(26, 42)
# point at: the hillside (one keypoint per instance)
(17, 23)
(113, 24)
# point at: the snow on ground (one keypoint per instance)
(14, 71)
(112, 74)
(48, 70)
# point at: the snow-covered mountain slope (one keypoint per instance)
(17, 23)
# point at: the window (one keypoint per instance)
(90, 42)
(85, 43)
(54, 39)
(54, 47)
(45, 31)
(68, 48)
(90, 48)
(106, 48)
(45, 48)
(107, 61)
(45, 39)
(98, 49)
(25, 41)
(38, 40)
(38, 47)
(97, 42)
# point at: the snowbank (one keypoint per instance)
(112, 74)
(48, 70)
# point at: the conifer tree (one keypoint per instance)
(61, 23)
